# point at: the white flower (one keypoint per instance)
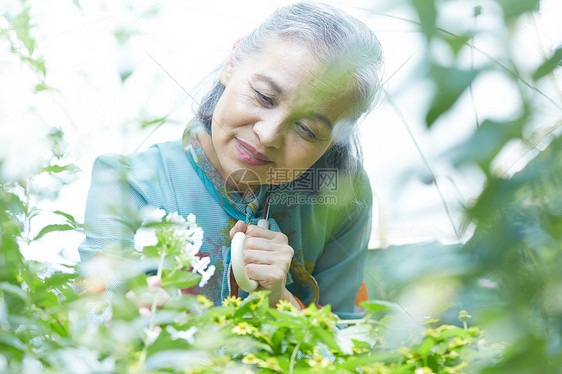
(191, 218)
(144, 237)
(151, 215)
(199, 264)
(152, 334)
(206, 275)
(175, 219)
(187, 335)
(197, 237)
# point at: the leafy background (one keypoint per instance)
(480, 76)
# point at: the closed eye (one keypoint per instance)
(305, 130)
(265, 100)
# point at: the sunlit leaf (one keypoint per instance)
(181, 279)
(376, 305)
(37, 64)
(514, 8)
(13, 290)
(71, 168)
(487, 142)
(457, 42)
(22, 27)
(450, 83)
(547, 67)
(427, 13)
(153, 122)
(52, 228)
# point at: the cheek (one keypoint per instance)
(301, 154)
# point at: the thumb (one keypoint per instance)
(240, 226)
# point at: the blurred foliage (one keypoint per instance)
(507, 275)
(508, 272)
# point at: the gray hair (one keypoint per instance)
(341, 41)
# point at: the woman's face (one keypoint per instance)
(275, 117)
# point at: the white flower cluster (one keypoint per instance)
(183, 239)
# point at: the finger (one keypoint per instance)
(252, 256)
(253, 242)
(154, 282)
(256, 231)
(144, 312)
(240, 226)
(266, 275)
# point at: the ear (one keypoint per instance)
(227, 69)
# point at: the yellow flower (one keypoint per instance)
(464, 316)
(319, 363)
(424, 370)
(203, 300)
(376, 368)
(271, 363)
(232, 301)
(311, 310)
(457, 342)
(219, 320)
(452, 354)
(456, 369)
(431, 332)
(446, 328)
(405, 351)
(286, 306)
(243, 328)
(359, 349)
(251, 359)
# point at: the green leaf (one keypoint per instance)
(13, 290)
(21, 26)
(376, 305)
(69, 217)
(425, 347)
(53, 169)
(457, 42)
(37, 64)
(12, 341)
(427, 13)
(153, 122)
(487, 142)
(450, 84)
(180, 279)
(77, 3)
(42, 86)
(50, 228)
(512, 9)
(549, 65)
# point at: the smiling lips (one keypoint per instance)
(249, 154)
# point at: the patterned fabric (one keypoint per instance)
(328, 231)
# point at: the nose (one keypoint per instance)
(270, 130)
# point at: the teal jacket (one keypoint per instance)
(329, 230)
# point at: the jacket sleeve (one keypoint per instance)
(112, 213)
(340, 269)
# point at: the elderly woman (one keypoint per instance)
(279, 121)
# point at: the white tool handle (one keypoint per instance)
(237, 259)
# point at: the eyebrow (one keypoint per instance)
(323, 119)
(272, 83)
(280, 91)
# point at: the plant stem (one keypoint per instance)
(293, 358)
(159, 275)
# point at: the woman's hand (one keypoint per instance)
(268, 256)
(153, 296)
